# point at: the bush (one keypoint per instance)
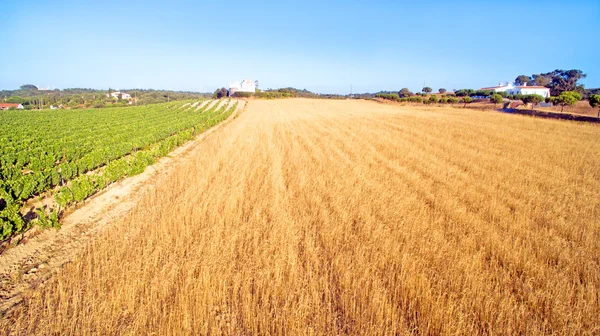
(467, 100)
(465, 92)
(452, 100)
(568, 98)
(534, 99)
(388, 96)
(496, 98)
(415, 99)
(243, 94)
(432, 100)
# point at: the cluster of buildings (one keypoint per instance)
(243, 86)
(524, 89)
(115, 95)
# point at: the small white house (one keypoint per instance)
(525, 89)
(116, 94)
(243, 86)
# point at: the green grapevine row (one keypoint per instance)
(40, 151)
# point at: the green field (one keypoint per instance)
(61, 151)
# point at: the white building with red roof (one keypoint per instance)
(525, 89)
(6, 106)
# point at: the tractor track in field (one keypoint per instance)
(36, 258)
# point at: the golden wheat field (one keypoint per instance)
(315, 217)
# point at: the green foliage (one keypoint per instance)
(415, 99)
(496, 98)
(483, 93)
(432, 100)
(15, 100)
(532, 99)
(567, 98)
(452, 100)
(465, 92)
(559, 81)
(522, 80)
(595, 100)
(388, 96)
(29, 87)
(442, 90)
(404, 93)
(467, 100)
(124, 141)
(48, 221)
(427, 89)
(32, 98)
(243, 94)
(220, 93)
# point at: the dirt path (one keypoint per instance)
(35, 259)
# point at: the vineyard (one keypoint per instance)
(72, 154)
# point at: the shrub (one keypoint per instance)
(534, 99)
(243, 94)
(388, 96)
(595, 102)
(496, 99)
(467, 100)
(568, 98)
(432, 100)
(452, 100)
(465, 92)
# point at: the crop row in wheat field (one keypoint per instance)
(313, 217)
(56, 150)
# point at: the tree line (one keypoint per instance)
(32, 98)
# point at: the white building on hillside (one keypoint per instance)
(243, 86)
(115, 95)
(525, 89)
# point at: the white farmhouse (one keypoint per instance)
(6, 106)
(524, 89)
(115, 95)
(243, 86)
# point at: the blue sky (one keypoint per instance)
(323, 46)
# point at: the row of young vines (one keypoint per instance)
(74, 154)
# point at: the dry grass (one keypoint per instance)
(344, 217)
(581, 107)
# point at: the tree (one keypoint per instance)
(595, 102)
(568, 98)
(560, 80)
(467, 100)
(483, 93)
(427, 89)
(120, 96)
(15, 100)
(452, 100)
(464, 92)
(442, 90)
(220, 93)
(532, 99)
(29, 87)
(432, 100)
(541, 80)
(404, 92)
(496, 99)
(522, 80)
